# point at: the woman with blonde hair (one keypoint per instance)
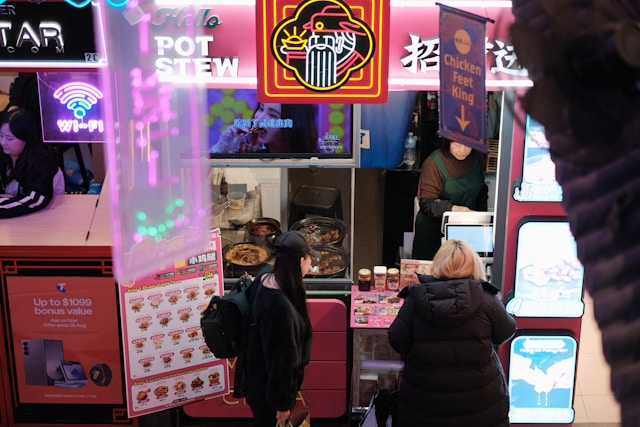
(448, 328)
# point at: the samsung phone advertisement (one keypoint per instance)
(65, 340)
(541, 378)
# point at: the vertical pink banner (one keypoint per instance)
(157, 162)
(167, 362)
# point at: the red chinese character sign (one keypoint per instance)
(323, 51)
(463, 103)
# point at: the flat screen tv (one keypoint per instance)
(71, 107)
(245, 131)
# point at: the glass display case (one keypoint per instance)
(376, 366)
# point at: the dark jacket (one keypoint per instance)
(35, 191)
(278, 351)
(452, 375)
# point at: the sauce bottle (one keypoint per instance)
(364, 279)
(393, 279)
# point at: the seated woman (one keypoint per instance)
(28, 171)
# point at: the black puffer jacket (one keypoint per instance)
(452, 375)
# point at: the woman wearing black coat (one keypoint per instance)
(448, 328)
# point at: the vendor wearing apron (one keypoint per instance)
(451, 179)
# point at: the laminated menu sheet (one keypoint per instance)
(374, 309)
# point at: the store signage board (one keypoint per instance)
(218, 52)
(542, 370)
(50, 35)
(414, 52)
(463, 103)
(167, 362)
(323, 51)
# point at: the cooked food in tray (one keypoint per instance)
(246, 254)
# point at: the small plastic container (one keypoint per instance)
(236, 200)
(379, 277)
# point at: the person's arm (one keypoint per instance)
(37, 192)
(504, 325)
(483, 199)
(400, 332)
(229, 141)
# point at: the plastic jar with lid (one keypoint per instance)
(393, 279)
(364, 279)
(379, 277)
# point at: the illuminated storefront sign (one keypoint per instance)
(41, 35)
(71, 107)
(323, 51)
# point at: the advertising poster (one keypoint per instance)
(549, 275)
(541, 379)
(374, 309)
(65, 340)
(538, 171)
(167, 362)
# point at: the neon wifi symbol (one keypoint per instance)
(79, 97)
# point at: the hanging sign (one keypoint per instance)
(321, 51)
(463, 104)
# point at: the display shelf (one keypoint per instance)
(376, 366)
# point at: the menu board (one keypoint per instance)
(548, 279)
(538, 170)
(541, 379)
(167, 362)
(374, 309)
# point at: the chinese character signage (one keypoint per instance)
(463, 104)
(323, 51)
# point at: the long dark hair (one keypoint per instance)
(22, 125)
(303, 136)
(289, 278)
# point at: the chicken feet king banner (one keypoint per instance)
(323, 51)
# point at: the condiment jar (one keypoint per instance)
(364, 279)
(393, 279)
(379, 277)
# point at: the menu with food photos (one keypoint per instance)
(374, 309)
(167, 362)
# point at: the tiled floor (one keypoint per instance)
(593, 402)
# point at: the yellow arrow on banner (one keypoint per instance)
(461, 121)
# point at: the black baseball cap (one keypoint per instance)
(294, 243)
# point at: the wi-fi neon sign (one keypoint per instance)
(79, 97)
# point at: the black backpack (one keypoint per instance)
(225, 326)
(226, 319)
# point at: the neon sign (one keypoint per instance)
(72, 107)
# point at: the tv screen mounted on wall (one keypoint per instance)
(245, 131)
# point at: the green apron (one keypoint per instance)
(462, 191)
